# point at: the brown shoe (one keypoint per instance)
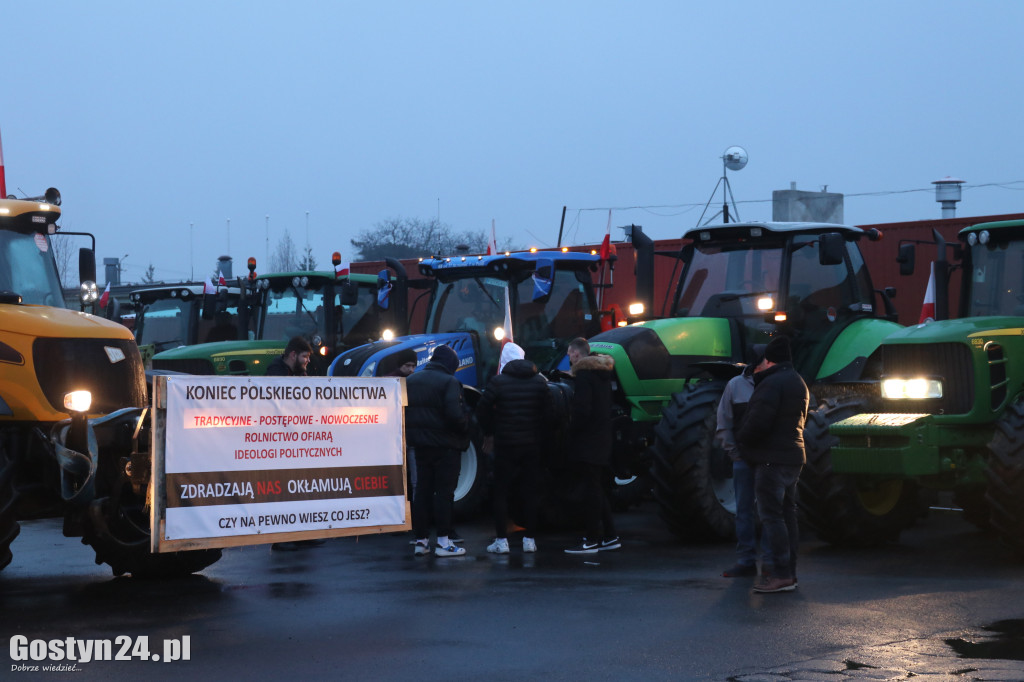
(769, 584)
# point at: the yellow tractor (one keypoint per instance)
(74, 432)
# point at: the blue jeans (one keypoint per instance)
(746, 514)
(775, 488)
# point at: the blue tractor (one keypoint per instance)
(550, 298)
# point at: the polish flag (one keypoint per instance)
(606, 244)
(105, 297)
(341, 269)
(3, 179)
(208, 288)
(928, 309)
(221, 282)
(492, 245)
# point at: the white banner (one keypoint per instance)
(247, 456)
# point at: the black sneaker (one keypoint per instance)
(584, 548)
(612, 543)
(455, 537)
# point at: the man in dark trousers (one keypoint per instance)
(514, 410)
(437, 428)
(772, 440)
(590, 443)
(294, 360)
(292, 363)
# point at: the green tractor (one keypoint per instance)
(332, 312)
(951, 403)
(741, 284)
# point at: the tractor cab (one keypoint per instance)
(806, 280)
(27, 269)
(182, 315)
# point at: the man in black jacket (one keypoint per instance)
(590, 443)
(437, 427)
(294, 360)
(514, 410)
(772, 439)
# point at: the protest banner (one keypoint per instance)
(252, 460)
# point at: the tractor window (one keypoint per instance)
(292, 312)
(564, 315)
(726, 281)
(473, 304)
(815, 287)
(359, 323)
(164, 323)
(27, 268)
(997, 280)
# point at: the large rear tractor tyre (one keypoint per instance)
(117, 528)
(692, 476)
(471, 489)
(846, 510)
(1005, 474)
(9, 527)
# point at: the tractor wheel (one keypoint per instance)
(1005, 473)
(118, 529)
(9, 527)
(471, 489)
(844, 510)
(692, 476)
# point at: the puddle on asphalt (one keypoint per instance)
(1006, 642)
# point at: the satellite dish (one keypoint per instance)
(735, 158)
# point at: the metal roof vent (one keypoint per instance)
(947, 193)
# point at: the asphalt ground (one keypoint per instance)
(946, 603)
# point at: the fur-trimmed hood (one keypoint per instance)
(594, 362)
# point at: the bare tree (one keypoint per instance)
(285, 258)
(412, 237)
(149, 277)
(63, 250)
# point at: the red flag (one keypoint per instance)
(928, 308)
(606, 244)
(3, 179)
(105, 297)
(341, 269)
(208, 288)
(221, 282)
(492, 245)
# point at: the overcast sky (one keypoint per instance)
(151, 117)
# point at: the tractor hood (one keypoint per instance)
(45, 321)
(960, 330)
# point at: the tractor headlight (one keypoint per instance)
(499, 333)
(78, 401)
(370, 369)
(765, 303)
(89, 292)
(911, 389)
(387, 335)
(636, 309)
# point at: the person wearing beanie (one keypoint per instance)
(437, 428)
(404, 363)
(515, 409)
(771, 439)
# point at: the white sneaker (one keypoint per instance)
(529, 545)
(421, 548)
(499, 546)
(450, 550)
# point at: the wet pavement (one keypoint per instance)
(365, 608)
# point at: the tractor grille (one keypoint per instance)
(188, 366)
(64, 365)
(951, 361)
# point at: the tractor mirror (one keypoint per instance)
(86, 265)
(349, 293)
(905, 258)
(831, 249)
